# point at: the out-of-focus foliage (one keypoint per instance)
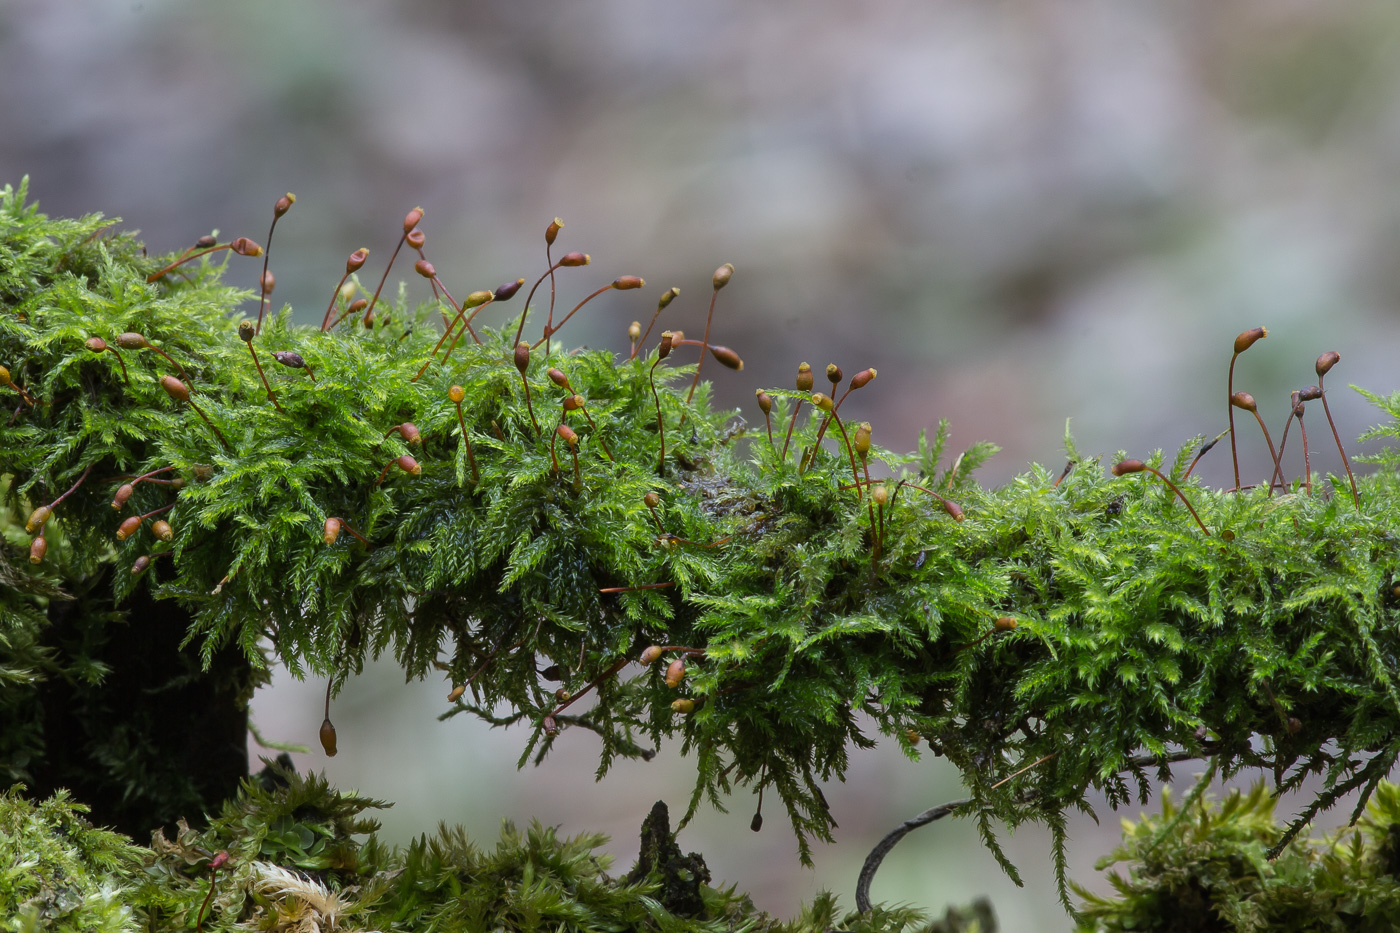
(1205, 866)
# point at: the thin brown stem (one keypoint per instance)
(704, 345)
(326, 318)
(548, 274)
(271, 396)
(369, 311)
(660, 424)
(1137, 466)
(791, 422)
(629, 589)
(71, 489)
(1337, 437)
(471, 457)
(188, 257)
(551, 331)
(217, 433)
(1230, 404)
(1270, 441)
(262, 279)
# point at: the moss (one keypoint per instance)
(791, 611)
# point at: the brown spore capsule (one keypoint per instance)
(456, 693)
(139, 566)
(722, 276)
(1123, 467)
(411, 219)
(573, 403)
(507, 291)
(409, 465)
(246, 247)
(683, 706)
(246, 331)
(289, 359)
(727, 357)
(822, 401)
(833, 374)
(1244, 400)
(765, 401)
(675, 673)
(132, 341)
(356, 260)
(416, 239)
(862, 438)
(128, 527)
(331, 531)
(880, 495)
(123, 493)
(328, 737)
(37, 518)
(575, 259)
(95, 344)
(457, 394)
(1326, 361)
(1247, 339)
(268, 282)
(425, 269)
(284, 204)
(557, 377)
(651, 654)
(206, 242)
(522, 356)
(670, 295)
(1004, 624)
(652, 500)
(162, 530)
(804, 378)
(664, 350)
(860, 379)
(551, 233)
(567, 435)
(37, 549)
(626, 282)
(175, 388)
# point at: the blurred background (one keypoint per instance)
(1020, 211)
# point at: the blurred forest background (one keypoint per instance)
(1020, 211)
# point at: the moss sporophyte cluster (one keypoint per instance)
(449, 482)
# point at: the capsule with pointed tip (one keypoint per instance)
(37, 518)
(765, 401)
(1326, 361)
(289, 359)
(1247, 339)
(727, 357)
(246, 247)
(862, 438)
(507, 291)
(128, 527)
(675, 673)
(328, 737)
(124, 492)
(175, 388)
(1244, 400)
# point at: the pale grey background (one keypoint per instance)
(1018, 210)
